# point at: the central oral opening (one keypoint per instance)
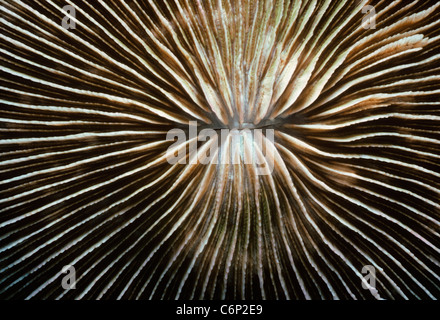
(264, 124)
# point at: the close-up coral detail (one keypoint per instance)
(349, 90)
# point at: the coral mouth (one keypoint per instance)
(235, 125)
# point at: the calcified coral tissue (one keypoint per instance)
(351, 90)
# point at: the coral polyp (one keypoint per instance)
(349, 89)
